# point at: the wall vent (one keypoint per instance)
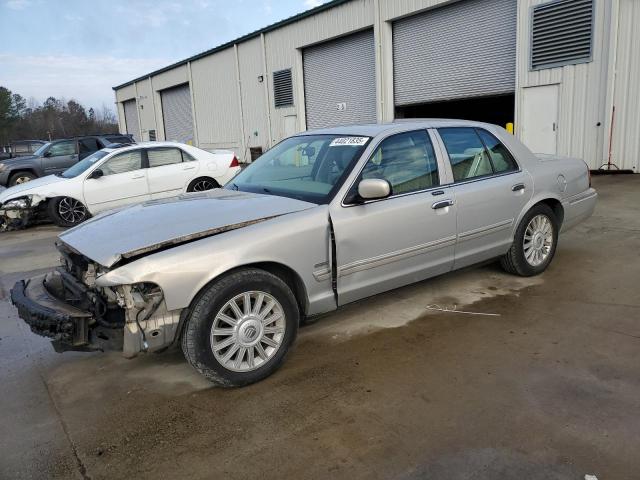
(282, 88)
(561, 33)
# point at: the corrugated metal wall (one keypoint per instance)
(461, 50)
(625, 151)
(339, 81)
(131, 119)
(585, 90)
(216, 93)
(582, 88)
(254, 101)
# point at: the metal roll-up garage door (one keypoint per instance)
(340, 81)
(466, 49)
(131, 119)
(176, 112)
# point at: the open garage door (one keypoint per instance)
(131, 119)
(463, 53)
(176, 114)
(340, 81)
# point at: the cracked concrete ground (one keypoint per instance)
(545, 388)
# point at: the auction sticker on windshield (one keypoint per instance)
(349, 141)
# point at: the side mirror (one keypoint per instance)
(374, 188)
(47, 154)
(97, 173)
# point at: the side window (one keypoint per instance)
(406, 160)
(88, 145)
(123, 163)
(163, 156)
(466, 151)
(500, 157)
(63, 148)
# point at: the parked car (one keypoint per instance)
(322, 219)
(114, 177)
(55, 157)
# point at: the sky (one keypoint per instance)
(80, 49)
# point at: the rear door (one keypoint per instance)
(124, 181)
(60, 156)
(490, 191)
(409, 236)
(170, 169)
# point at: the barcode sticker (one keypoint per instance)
(349, 141)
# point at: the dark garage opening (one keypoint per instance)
(498, 110)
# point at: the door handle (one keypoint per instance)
(442, 204)
(518, 187)
(189, 168)
(135, 177)
(437, 192)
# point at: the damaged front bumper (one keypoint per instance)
(69, 327)
(20, 212)
(77, 317)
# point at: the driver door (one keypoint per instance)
(60, 156)
(404, 238)
(124, 181)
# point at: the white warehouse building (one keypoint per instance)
(566, 73)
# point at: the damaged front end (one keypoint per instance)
(20, 212)
(67, 306)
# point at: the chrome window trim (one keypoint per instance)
(374, 147)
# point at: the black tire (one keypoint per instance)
(196, 336)
(515, 261)
(202, 184)
(21, 177)
(57, 213)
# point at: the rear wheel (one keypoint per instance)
(202, 184)
(21, 177)
(241, 327)
(67, 211)
(534, 243)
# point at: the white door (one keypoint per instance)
(123, 182)
(539, 129)
(170, 169)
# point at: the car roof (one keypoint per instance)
(147, 145)
(374, 129)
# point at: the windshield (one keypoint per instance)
(309, 167)
(82, 166)
(42, 149)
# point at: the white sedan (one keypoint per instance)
(114, 177)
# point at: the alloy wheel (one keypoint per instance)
(202, 185)
(71, 210)
(248, 331)
(538, 240)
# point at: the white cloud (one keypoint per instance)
(17, 4)
(312, 3)
(86, 79)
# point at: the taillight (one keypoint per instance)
(234, 162)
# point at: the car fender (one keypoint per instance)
(298, 241)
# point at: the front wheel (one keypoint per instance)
(241, 327)
(534, 243)
(67, 211)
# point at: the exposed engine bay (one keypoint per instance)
(67, 306)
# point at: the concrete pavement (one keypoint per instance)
(537, 380)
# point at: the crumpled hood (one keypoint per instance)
(34, 187)
(150, 226)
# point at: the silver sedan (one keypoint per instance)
(322, 219)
